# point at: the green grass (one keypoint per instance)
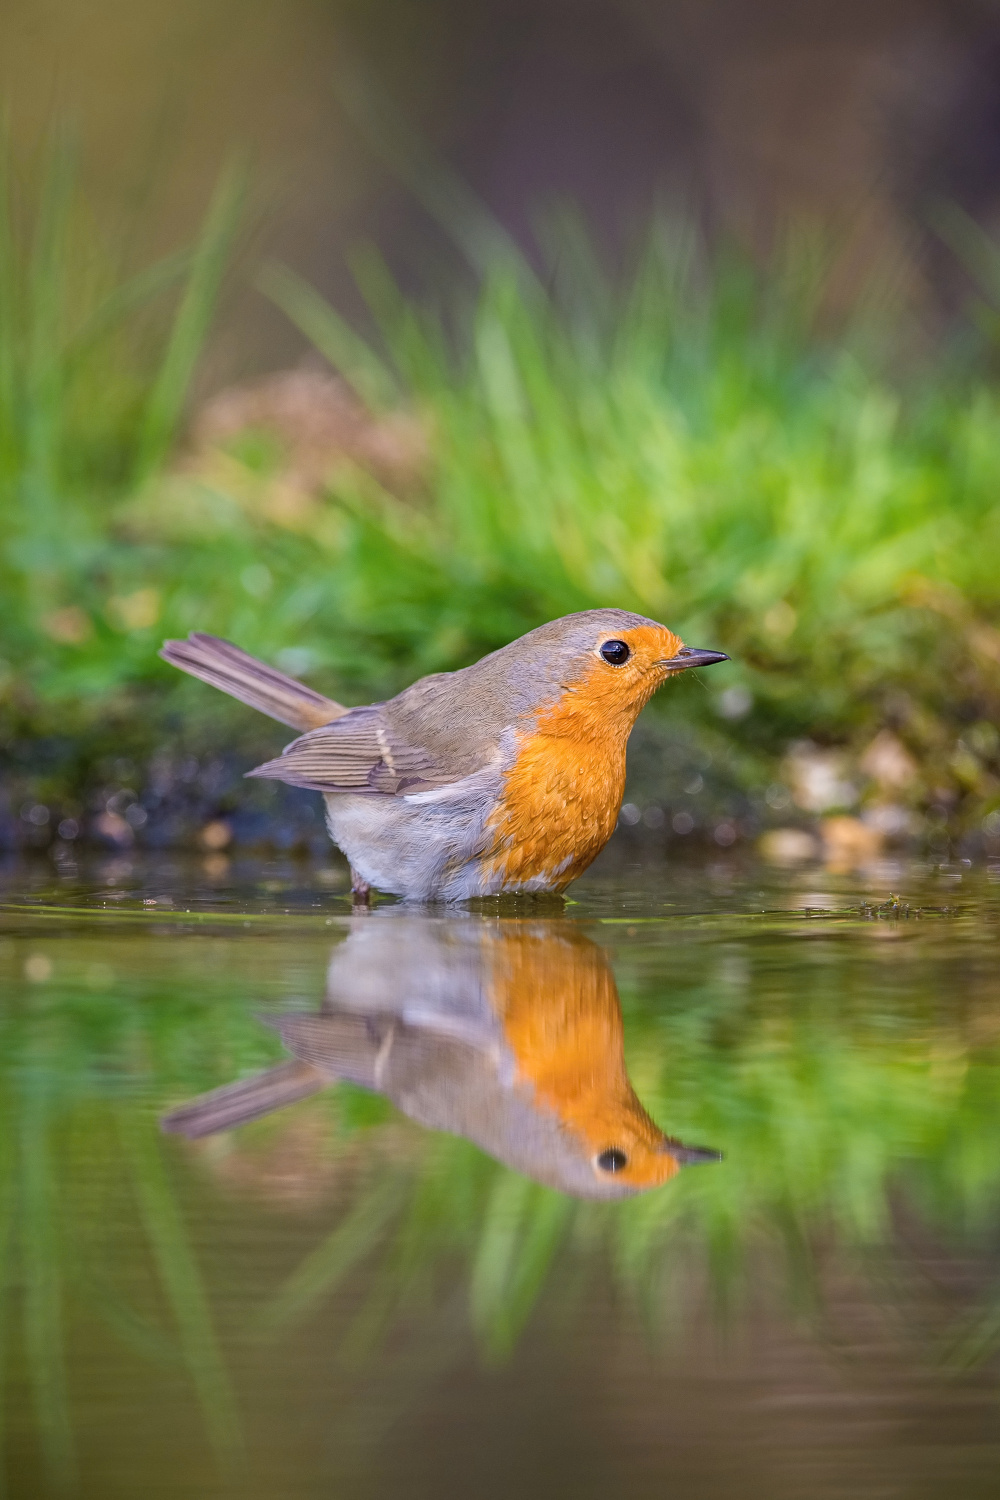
(694, 439)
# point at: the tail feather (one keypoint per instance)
(248, 1099)
(242, 676)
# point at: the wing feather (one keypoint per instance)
(357, 753)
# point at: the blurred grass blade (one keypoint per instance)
(192, 321)
(522, 1231)
(415, 341)
(125, 299)
(977, 251)
(183, 1287)
(42, 1277)
(8, 1245)
(8, 303)
(323, 1270)
(147, 1340)
(332, 335)
(480, 237)
(45, 312)
(547, 1227)
(506, 1209)
(976, 1339)
(578, 281)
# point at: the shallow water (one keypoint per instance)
(336, 1299)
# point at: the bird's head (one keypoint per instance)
(638, 1157)
(601, 665)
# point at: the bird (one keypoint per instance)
(509, 1034)
(504, 777)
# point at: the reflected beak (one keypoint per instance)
(690, 1156)
(690, 656)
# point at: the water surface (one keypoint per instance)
(337, 1298)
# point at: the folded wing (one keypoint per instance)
(357, 753)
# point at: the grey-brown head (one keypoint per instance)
(610, 660)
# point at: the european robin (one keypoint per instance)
(506, 776)
(509, 1035)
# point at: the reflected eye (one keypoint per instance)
(613, 1159)
(617, 654)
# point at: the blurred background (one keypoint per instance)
(371, 334)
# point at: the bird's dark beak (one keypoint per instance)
(689, 1156)
(690, 656)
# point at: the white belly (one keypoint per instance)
(426, 847)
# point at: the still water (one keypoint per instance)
(453, 1221)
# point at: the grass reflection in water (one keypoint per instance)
(846, 1067)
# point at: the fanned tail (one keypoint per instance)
(242, 676)
(248, 1099)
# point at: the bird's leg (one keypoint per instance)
(360, 889)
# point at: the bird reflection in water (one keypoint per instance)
(507, 1033)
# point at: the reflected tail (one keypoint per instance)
(248, 1099)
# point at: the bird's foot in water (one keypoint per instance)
(361, 891)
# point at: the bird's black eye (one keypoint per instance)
(613, 1159)
(615, 652)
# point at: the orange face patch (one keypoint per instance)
(562, 795)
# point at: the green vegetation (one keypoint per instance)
(694, 439)
(847, 1069)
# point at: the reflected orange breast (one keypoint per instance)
(563, 1022)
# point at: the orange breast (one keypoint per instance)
(559, 808)
(561, 797)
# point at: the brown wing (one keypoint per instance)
(358, 753)
(444, 728)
